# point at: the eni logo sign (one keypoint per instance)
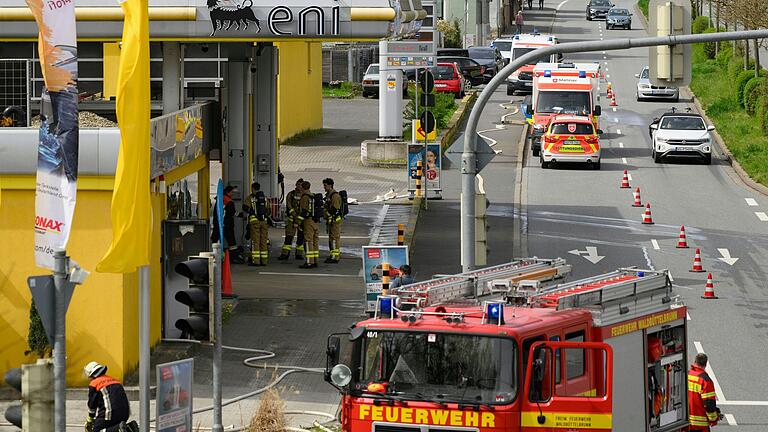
(437, 417)
(280, 20)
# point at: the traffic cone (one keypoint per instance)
(709, 290)
(226, 277)
(682, 243)
(647, 219)
(609, 91)
(697, 268)
(625, 181)
(637, 202)
(613, 100)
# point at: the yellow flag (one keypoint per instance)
(131, 208)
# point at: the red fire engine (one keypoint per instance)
(471, 352)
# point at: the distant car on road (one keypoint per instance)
(371, 82)
(452, 52)
(489, 57)
(685, 135)
(472, 70)
(618, 17)
(448, 79)
(504, 45)
(570, 138)
(646, 90)
(598, 9)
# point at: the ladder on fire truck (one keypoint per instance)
(480, 282)
(621, 295)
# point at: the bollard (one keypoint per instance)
(400, 234)
(418, 178)
(384, 278)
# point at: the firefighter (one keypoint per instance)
(108, 408)
(701, 396)
(306, 220)
(292, 212)
(256, 209)
(333, 216)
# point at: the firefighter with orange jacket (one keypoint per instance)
(701, 396)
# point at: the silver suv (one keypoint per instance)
(681, 135)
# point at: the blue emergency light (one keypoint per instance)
(388, 306)
(582, 74)
(495, 313)
(547, 73)
(517, 37)
(640, 274)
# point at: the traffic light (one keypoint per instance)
(198, 297)
(35, 383)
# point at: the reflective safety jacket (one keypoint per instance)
(332, 206)
(256, 206)
(292, 199)
(107, 399)
(306, 208)
(701, 399)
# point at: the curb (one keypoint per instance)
(75, 393)
(413, 219)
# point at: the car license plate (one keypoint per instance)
(528, 84)
(571, 142)
(441, 85)
(685, 149)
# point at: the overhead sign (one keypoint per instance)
(174, 396)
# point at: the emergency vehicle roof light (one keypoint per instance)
(582, 74)
(386, 306)
(547, 73)
(517, 37)
(494, 312)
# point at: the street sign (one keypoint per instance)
(428, 122)
(670, 65)
(409, 54)
(43, 292)
(483, 153)
(420, 135)
(174, 396)
(426, 81)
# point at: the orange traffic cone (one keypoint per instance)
(609, 90)
(226, 277)
(709, 290)
(697, 268)
(647, 219)
(682, 243)
(625, 181)
(613, 100)
(636, 194)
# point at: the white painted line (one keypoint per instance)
(687, 315)
(606, 77)
(762, 216)
(711, 373)
(561, 4)
(742, 403)
(751, 202)
(731, 419)
(621, 144)
(309, 274)
(671, 279)
(616, 119)
(655, 244)
(614, 109)
(606, 63)
(624, 160)
(618, 131)
(603, 52)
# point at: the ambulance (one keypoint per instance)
(469, 353)
(562, 88)
(522, 79)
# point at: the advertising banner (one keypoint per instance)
(57, 153)
(431, 166)
(174, 396)
(373, 257)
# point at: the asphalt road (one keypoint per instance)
(570, 208)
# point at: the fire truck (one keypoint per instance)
(522, 79)
(562, 88)
(478, 354)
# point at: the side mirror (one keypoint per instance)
(333, 350)
(600, 132)
(711, 127)
(654, 126)
(597, 111)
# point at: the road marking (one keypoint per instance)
(621, 144)
(687, 315)
(589, 254)
(655, 244)
(648, 258)
(309, 274)
(618, 131)
(751, 202)
(561, 4)
(727, 256)
(711, 373)
(616, 119)
(614, 109)
(762, 216)
(607, 76)
(742, 403)
(624, 160)
(730, 419)
(669, 273)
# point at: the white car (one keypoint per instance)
(681, 135)
(504, 45)
(646, 90)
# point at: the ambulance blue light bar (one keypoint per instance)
(582, 74)
(495, 313)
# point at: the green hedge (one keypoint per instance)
(762, 114)
(754, 91)
(699, 24)
(735, 66)
(723, 56)
(741, 82)
(710, 47)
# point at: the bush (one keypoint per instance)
(36, 338)
(724, 55)
(741, 81)
(700, 24)
(735, 66)
(762, 114)
(754, 91)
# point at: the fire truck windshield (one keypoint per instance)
(565, 102)
(453, 367)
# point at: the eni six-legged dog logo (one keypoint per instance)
(223, 16)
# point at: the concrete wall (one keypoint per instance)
(102, 321)
(299, 88)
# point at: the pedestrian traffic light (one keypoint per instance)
(198, 297)
(35, 383)
(13, 412)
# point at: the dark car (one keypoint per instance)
(472, 70)
(598, 9)
(452, 52)
(618, 17)
(489, 57)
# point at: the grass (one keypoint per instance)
(341, 90)
(643, 5)
(305, 134)
(740, 132)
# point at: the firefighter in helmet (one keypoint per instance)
(256, 208)
(308, 220)
(333, 216)
(292, 212)
(108, 407)
(701, 396)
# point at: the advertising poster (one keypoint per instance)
(174, 396)
(57, 153)
(431, 166)
(373, 257)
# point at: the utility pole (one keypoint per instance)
(217, 421)
(60, 267)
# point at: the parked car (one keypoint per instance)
(371, 82)
(570, 138)
(448, 79)
(686, 135)
(472, 70)
(489, 57)
(504, 46)
(452, 52)
(618, 17)
(646, 90)
(598, 9)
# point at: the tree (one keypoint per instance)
(36, 338)
(451, 33)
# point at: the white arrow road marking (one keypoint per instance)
(655, 244)
(762, 216)
(727, 257)
(621, 144)
(624, 160)
(589, 254)
(618, 131)
(730, 419)
(616, 119)
(561, 4)
(751, 202)
(711, 373)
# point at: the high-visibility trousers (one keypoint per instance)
(334, 239)
(311, 239)
(259, 241)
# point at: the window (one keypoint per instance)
(644, 74)
(443, 73)
(564, 102)
(482, 53)
(572, 129)
(503, 46)
(519, 52)
(682, 123)
(574, 357)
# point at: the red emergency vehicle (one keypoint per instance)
(570, 139)
(599, 354)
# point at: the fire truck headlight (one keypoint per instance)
(341, 375)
